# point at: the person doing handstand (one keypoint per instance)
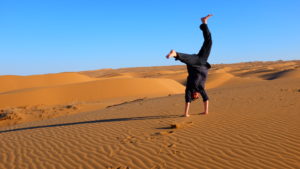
(197, 67)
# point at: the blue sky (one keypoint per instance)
(49, 36)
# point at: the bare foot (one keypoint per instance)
(171, 54)
(204, 113)
(204, 19)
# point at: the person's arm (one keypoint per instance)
(186, 110)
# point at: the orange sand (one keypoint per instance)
(130, 118)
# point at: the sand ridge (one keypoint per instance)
(139, 134)
(92, 91)
(16, 105)
(12, 82)
(100, 88)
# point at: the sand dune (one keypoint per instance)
(131, 118)
(264, 70)
(10, 83)
(217, 78)
(40, 103)
(253, 128)
(92, 91)
(284, 74)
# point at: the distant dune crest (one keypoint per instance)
(101, 88)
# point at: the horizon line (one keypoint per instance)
(132, 67)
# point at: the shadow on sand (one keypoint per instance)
(90, 122)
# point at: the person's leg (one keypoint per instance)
(204, 51)
(207, 44)
(183, 57)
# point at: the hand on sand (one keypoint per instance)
(185, 115)
(204, 113)
(204, 19)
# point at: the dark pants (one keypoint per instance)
(197, 66)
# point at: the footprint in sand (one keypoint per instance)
(176, 125)
(163, 133)
(129, 139)
(179, 125)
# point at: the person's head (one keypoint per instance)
(195, 95)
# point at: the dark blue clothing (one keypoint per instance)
(196, 82)
(197, 67)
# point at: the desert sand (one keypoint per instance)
(132, 118)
